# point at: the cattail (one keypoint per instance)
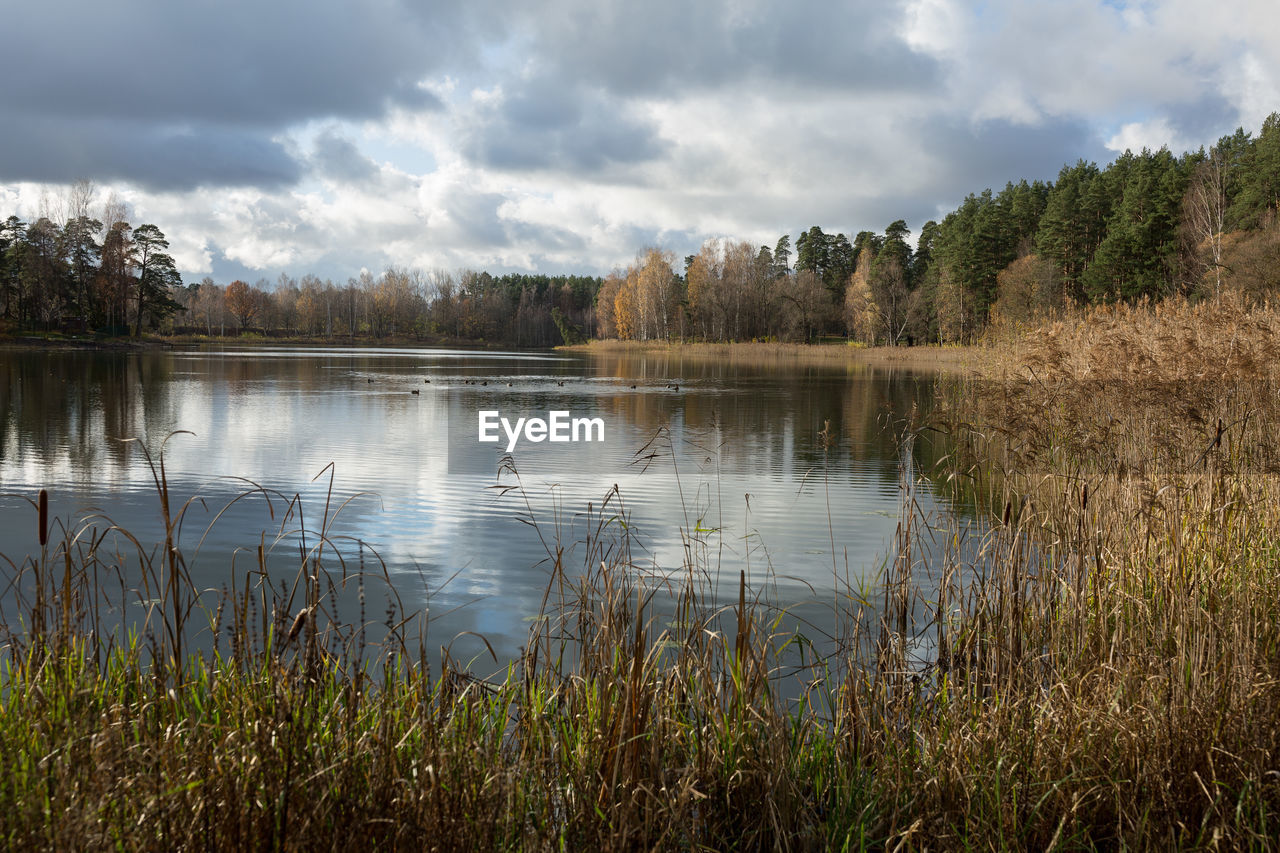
(296, 628)
(44, 518)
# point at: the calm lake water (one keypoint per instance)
(730, 453)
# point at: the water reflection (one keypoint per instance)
(730, 452)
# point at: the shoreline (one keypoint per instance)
(155, 342)
(963, 360)
(966, 360)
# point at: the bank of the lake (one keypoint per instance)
(35, 340)
(955, 359)
(963, 360)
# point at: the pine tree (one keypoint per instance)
(1259, 191)
(782, 256)
(83, 254)
(1073, 223)
(12, 233)
(156, 275)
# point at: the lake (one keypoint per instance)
(722, 457)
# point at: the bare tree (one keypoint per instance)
(804, 302)
(114, 211)
(702, 278)
(1205, 207)
(889, 287)
(78, 197)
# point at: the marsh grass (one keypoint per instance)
(763, 354)
(1132, 689)
(1097, 665)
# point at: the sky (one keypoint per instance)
(327, 137)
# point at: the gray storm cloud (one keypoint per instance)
(176, 95)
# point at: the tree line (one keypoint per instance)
(517, 309)
(1148, 225)
(86, 277)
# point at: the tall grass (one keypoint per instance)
(1099, 668)
(755, 354)
(1133, 661)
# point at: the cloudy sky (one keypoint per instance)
(562, 136)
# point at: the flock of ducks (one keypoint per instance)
(484, 382)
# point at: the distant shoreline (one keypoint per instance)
(951, 359)
(38, 342)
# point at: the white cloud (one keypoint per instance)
(1253, 85)
(1152, 134)
(935, 27)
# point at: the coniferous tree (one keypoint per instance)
(83, 253)
(44, 275)
(1073, 222)
(922, 258)
(12, 234)
(895, 244)
(156, 275)
(1258, 195)
(782, 255)
(840, 263)
(114, 280)
(1137, 256)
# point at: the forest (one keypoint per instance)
(1144, 227)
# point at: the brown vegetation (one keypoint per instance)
(950, 359)
(1134, 451)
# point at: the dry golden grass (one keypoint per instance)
(1217, 340)
(949, 359)
(1135, 699)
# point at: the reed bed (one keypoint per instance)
(1095, 665)
(1133, 449)
(949, 358)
